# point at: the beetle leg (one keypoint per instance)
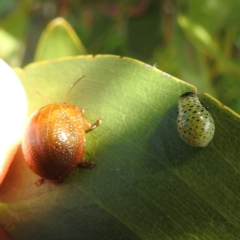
(91, 127)
(39, 182)
(86, 164)
(83, 110)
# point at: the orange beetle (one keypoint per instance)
(54, 140)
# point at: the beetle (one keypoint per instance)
(54, 140)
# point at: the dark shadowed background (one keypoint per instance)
(197, 41)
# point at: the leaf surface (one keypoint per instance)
(58, 40)
(147, 183)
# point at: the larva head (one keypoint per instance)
(195, 124)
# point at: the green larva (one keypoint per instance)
(195, 124)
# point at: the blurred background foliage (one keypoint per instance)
(197, 41)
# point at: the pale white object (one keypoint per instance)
(12, 118)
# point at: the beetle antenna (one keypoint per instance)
(65, 99)
(43, 97)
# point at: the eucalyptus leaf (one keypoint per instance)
(201, 38)
(58, 40)
(147, 183)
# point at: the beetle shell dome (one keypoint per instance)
(54, 140)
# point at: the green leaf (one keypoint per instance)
(147, 183)
(201, 38)
(215, 15)
(58, 40)
(12, 32)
